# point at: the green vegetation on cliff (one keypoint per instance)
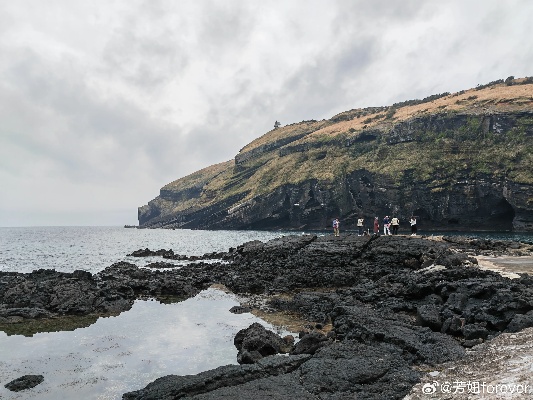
(480, 134)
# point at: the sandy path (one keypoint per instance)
(508, 266)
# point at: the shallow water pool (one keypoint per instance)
(124, 353)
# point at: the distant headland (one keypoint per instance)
(458, 161)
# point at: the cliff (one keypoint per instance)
(461, 161)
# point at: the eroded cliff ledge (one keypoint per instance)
(461, 161)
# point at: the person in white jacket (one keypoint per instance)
(412, 221)
(395, 223)
(360, 222)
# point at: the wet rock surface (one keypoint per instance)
(256, 342)
(223, 382)
(169, 254)
(391, 303)
(48, 293)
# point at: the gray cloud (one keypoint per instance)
(147, 58)
(104, 103)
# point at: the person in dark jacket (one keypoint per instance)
(386, 225)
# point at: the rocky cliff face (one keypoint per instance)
(461, 162)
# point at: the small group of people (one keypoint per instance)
(389, 223)
(390, 226)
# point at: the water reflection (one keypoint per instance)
(31, 327)
(124, 353)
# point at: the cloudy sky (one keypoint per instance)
(103, 102)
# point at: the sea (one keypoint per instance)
(105, 358)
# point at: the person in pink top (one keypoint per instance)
(336, 225)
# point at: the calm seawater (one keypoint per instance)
(92, 249)
(118, 354)
(115, 355)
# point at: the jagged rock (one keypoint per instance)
(520, 321)
(24, 382)
(429, 315)
(351, 370)
(150, 253)
(161, 264)
(453, 325)
(418, 344)
(48, 293)
(221, 379)
(475, 331)
(240, 309)
(256, 342)
(310, 343)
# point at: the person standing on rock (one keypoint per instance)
(336, 225)
(395, 223)
(360, 222)
(412, 221)
(386, 225)
(376, 226)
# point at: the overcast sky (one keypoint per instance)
(103, 102)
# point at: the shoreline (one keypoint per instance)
(379, 307)
(509, 266)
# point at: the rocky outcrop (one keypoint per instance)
(399, 271)
(394, 302)
(24, 382)
(224, 382)
(389, 302)
(435, 286)
(48, 294)
(256, 342)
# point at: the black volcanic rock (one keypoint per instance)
(520, 321)
(44, 293)
(24, 382)
(310, 343)
(222, 382)
(429, 315)
(48, 293)
(150, 253)
(350, 369)
(256, 342)
(239, 310)
(389, 303)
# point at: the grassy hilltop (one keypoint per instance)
(434, 144)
